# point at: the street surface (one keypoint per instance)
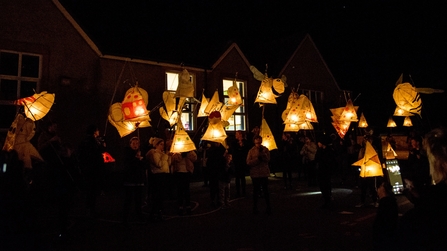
(296, 223)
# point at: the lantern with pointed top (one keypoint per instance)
(203, 105)
(391, 123)
(134, 104)
(362, 122)
(215, 131)
(407, 122)
(267, 136)
(181, 142)
(370, 163)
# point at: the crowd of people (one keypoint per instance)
(314, 159)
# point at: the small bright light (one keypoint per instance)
(308, 115)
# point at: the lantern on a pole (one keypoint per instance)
(407, 122)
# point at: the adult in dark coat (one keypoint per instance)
(216, 161)
(239, 150)
(92, 165)
(325, 159)
(134, 178)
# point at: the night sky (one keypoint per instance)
(366, 44)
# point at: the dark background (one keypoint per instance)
(367, 45)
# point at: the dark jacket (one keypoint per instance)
(90, 157)
(134, 168)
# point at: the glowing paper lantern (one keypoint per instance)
(171, 112)
(234, 97)
(390, 153)
(107, 157)
(370, 163)
(349, 112)
(117, 116)
(407, 98)
(291, 128)
(362, 122)
(134, 104)
(203, 105)
(267, 137)
(185, 87)
(215, 131)
(401, 112)
(268, 85)
(391, 123)
(214, 104)
(37, 106)
(181, 142)
(407, 122)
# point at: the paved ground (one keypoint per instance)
(297, 223)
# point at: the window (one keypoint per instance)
(238, 119)
(316, 97)
(20, 75)
(172, 82)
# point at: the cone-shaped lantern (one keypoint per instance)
(390, 153)
(362, 122)
(391, 123)
(37, 106)
(349, 113)
(214, 104)
(267, 137)
(291, 128)
(370, 164)
(203, 105)
(215, 131)
(407, 122)
(181, 142)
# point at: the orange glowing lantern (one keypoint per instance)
(407, 122)
(362, 122)
(267, 136)
(37, 106)
(391, 123)
(134, 105)
(370, 163)
(107, 157)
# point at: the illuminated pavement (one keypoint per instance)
(297, 223)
